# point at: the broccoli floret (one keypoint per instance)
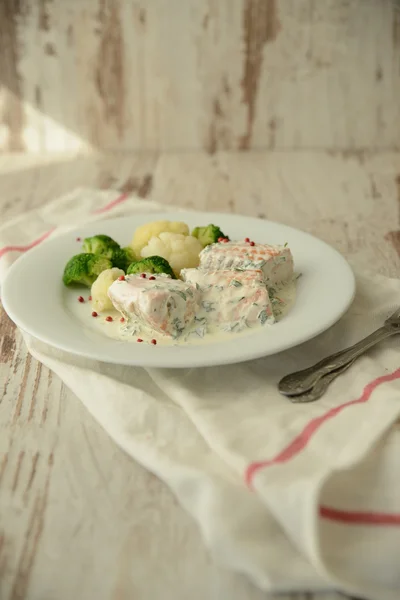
(118, 259)
(152, 264)
(122, 257)
(85, 268)
(100, 244)
(130, 254)
(209, 234)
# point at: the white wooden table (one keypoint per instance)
(78, 518)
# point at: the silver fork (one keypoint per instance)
(302, 381)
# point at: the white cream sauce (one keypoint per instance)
(282, 300)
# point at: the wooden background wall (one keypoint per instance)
(199, 74)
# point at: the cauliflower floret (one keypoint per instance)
(100, 299)
(181, 251)
(145, 232)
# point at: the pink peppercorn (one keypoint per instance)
(143, 275)
(109, 319)
(81, 299)
(94, 314)
(151, 278)
(252, 244)
(139, 340)
(153, 341)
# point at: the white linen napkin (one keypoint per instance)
(296, 496)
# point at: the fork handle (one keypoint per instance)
(302, 381)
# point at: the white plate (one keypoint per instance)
(36, 300)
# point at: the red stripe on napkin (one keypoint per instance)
(4, 251)
(301, 441)
(105, 209)
(112, 204)
(359, 517)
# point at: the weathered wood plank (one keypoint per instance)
(199, 74)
